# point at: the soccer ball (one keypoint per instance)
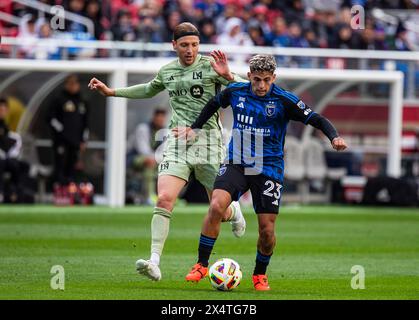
(225, 274)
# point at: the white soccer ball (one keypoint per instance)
(225, 274)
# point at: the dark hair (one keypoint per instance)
(4, 101)
(71, 77)
(158, 111)
(185, 29)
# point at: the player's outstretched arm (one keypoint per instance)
(323, 124)
(103, 89)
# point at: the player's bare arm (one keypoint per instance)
(102, 88)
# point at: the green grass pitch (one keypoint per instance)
(316, 249)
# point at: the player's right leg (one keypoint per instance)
(168, 189)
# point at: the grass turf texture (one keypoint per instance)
(316, 249)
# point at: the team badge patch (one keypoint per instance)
(270, 110)
(222, 171)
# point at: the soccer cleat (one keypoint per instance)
(260, 282)
(238, 224)
(149, 269)
(197, 273)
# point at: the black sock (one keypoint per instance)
(205, 247)
(262, 262)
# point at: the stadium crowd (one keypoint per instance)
(287, 23)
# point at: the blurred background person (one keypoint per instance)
(68, 118)
(10, 146)
(141, 159)
(234, 36)
(124, 30)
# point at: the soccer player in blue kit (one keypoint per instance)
(261, 112)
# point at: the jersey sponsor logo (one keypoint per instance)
(178, 93)
(222, 170)
(244, 119)
(301, 105)
(240, 105)
(197, 91)
(270, 109)
(197, 75)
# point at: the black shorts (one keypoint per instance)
(266, 192)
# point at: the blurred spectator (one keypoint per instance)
(124, 30)
(369, 40)
(311, 38)
(279, 36)
(210, 8)
(141, 159)
(345, 39)
(152, 25)
(260, 13)
(10, 146)
(230, 10)
(68, 118)
(77, 7)
(296, 39)
(294, 11)
(28, 36)
(207, 31)
(234, 36)
(173, 20)
(51, 50)
(401, 41)
(271, 4)
(93, 12)
(187, 11)
(256, 34)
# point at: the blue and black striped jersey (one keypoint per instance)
(260, 125)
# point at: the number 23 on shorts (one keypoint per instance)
(276, 188)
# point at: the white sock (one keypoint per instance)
(155, 258)
(160, 225)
